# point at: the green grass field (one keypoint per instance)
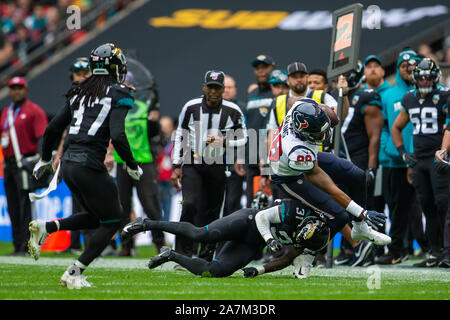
(125, 278)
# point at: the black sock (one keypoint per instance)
(51, 227)
(195, 265)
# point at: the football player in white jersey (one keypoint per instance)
(294, 168)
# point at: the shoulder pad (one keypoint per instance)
(121, 95)
(301, 158)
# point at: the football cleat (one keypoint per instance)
(303, 265)
(161, 258)
(343, 258)
(38, 233)
(132, 228)
(73, 279)
(362, 253)
(361, 231)
(431, 262)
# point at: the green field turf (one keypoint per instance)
(125, 278)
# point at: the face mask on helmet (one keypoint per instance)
(426, 76)
(312, 234)
(310, 123)
(356, 77)
(260, 200)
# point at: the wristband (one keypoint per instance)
(354, 209)
(260, 269)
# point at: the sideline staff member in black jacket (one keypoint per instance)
(206, 127)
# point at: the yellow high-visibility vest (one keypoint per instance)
(281, 105)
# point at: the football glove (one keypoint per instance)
(302, 265)
(408, 158)
(40, 167)
(250, 272)
(135, 174)
(371, 174)
(274, 245)
(374, 218)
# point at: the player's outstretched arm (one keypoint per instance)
(276, 264)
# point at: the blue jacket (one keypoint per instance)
(391, 102)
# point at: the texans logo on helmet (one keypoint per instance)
(303, 125)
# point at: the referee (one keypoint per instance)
(209, 127)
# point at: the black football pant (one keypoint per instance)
(433, 192)
(241, 240)
(402, 206)
(147, 192)
(233, 193)
(347, 176)
(98, 194)
(203, 188)
(19, 207)
(251, 171)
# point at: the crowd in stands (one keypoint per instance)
(27, 25)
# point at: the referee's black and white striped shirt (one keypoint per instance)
(197, 121)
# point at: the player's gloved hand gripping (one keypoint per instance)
(250, 272)
(135, 174)
(274, 245)
(374, 219)
(40, 168)
(408, 158)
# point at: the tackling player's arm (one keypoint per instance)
(373, 119)
(263, 220)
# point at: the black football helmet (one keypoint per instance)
(312, 234)
(260, 200)
(309, 122)
(426, 69)
(108, 59)
(81, 63)
(356, 77)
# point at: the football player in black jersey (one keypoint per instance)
(362, 127)
(244, 234)
(424, 107)
(96, 111)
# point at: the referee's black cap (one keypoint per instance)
(215, 77)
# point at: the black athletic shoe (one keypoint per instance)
(362, 253)
(132, 228)
(388, 259)
(445, 263)
(343, 258)
(161, 258)
(431, 262)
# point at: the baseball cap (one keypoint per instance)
(215, 77)
(278, 76)
(17, 81)
(262, 58)
(296, 67)
(370, 58)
